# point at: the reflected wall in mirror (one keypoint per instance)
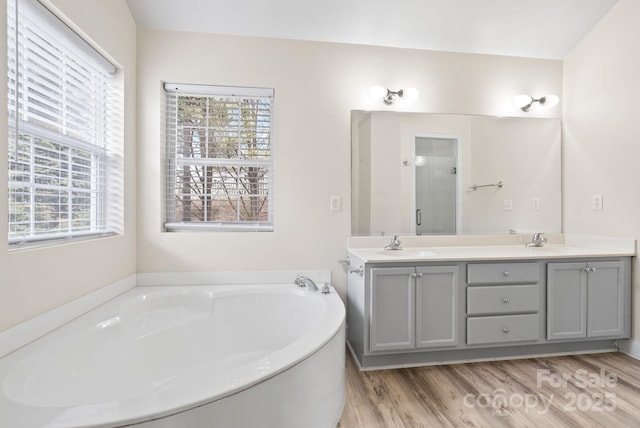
(414, 173)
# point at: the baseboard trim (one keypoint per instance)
(473, 355)
(630, 347)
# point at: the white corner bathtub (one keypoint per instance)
(185, 356)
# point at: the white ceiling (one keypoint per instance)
(527, 28)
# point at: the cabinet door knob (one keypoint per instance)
(505, 330)
(505, 273)
(414, 275)
(420, 274)
(506, 300)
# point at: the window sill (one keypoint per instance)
(217, 227)
(17, 244)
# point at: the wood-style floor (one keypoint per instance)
(597, 390)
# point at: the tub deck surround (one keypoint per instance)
(30, 330)
(159, 352)
(487, 247)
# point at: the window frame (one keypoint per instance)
(56, 151)
(174, 161)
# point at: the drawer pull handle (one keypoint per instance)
(505, 273)
(505, 330)
(506, 300)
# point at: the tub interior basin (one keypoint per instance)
(154, 312)
(158, 342)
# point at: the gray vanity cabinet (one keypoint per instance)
(587, 300)
(413, 307)
(392, 324)
(416, 313)
(436, 306)
(504, 303)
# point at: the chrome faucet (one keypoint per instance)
(537, 240)
(305, 281)
(395, 244)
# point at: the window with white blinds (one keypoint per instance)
(219, 158)
(65, 131)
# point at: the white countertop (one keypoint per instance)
(435, 249)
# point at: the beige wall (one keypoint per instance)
(601, 133)
(317, 84)
(526, 155)
(35, 280)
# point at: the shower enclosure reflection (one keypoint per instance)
(435, 166)
(413, 173)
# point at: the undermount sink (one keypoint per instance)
(407, 253)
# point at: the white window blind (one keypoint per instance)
(65, 131)
(219, 158)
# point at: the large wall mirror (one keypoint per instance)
(446, 174)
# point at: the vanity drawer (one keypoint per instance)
(503, 299)
(502, 273)
(503, 329)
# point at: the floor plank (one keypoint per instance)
(594, 390)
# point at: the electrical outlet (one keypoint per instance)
(507, 204)
(335, 203)
(597, 203)
(536, 204)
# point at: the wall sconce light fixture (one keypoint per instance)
(389, 97)
(525, 102)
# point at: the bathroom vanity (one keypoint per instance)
(454, 299)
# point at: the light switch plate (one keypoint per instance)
(597, 203)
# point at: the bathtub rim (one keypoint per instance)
(279, 368)
(30, 330)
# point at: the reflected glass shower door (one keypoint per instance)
(435, 183)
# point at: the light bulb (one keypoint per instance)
(410, 94)
(521, 101)
(549, 101)
(377, 92)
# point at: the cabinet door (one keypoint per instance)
(437, 306)
(566, 301)
(605, 294)
(392, 316)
